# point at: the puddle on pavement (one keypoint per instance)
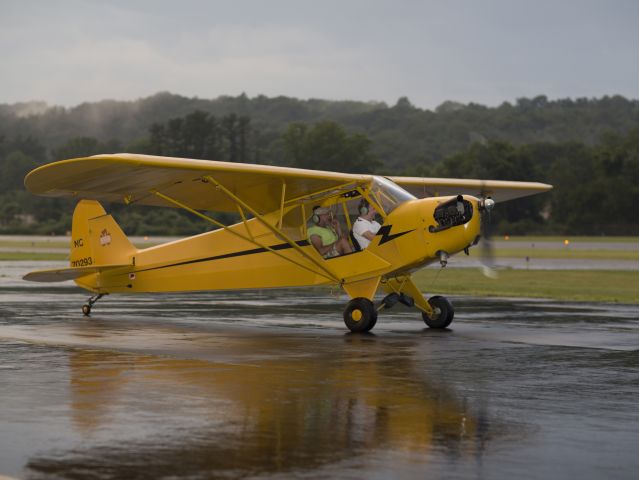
(269, 384)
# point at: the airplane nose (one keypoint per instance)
(452, 224)
(452, 213)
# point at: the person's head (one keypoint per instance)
(365, 209)
(321, 215)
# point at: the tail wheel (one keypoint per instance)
(86, 308)
(443, 313)
(360, 315)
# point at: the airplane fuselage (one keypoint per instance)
(249, 255)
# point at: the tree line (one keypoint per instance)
(595, 184)
(401, 135)
(596, 188)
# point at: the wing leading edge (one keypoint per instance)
(498, 190)
(129, 178)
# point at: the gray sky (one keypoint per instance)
(486, 51)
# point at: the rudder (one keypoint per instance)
(96, 238)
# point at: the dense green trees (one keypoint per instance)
(84, 147)
(327, 146)
(502, 161)
(587, 148)
(596, 189)
(401, 135)
(203, 136)
(18, 156)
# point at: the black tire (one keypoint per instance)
(360, 315)
(443, 313)
(86, 309)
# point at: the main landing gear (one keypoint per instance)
(360, 314)
(86, 308)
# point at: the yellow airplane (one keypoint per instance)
(425, 220)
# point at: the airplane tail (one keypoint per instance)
(96, 238)
(98, 244)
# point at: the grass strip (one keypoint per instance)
(35, 244)
(35, 256)
(574, 285)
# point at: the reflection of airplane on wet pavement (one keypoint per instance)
(424, 221)
(271, 414)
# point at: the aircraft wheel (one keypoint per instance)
(86, 309)
(360, 315)
(443, 313)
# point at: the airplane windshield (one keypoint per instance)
(389, 195)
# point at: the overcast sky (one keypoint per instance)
(486, 51)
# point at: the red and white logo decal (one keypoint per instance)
(105, 238)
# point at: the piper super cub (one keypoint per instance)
(422, 220)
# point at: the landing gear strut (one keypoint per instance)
(86, 308)
(392, 298)
(442, 311)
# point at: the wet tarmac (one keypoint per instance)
(268, 384)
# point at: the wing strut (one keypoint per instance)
(280, 223)
(243, 237)
(273, 229)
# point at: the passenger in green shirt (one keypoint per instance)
(326, 235)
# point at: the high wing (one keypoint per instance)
(498, 190)
(131, 178)
(145, 179)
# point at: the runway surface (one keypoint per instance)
(268, 384)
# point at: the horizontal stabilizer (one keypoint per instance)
(63, 274)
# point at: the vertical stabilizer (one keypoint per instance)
(96, 239)
(99, 251)
(81, 251)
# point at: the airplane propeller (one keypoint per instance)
(486, 205)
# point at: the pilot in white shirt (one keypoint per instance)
(365, 228)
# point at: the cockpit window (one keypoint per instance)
(389, 195)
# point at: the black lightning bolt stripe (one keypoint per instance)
(384, 232)
(281, 246)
